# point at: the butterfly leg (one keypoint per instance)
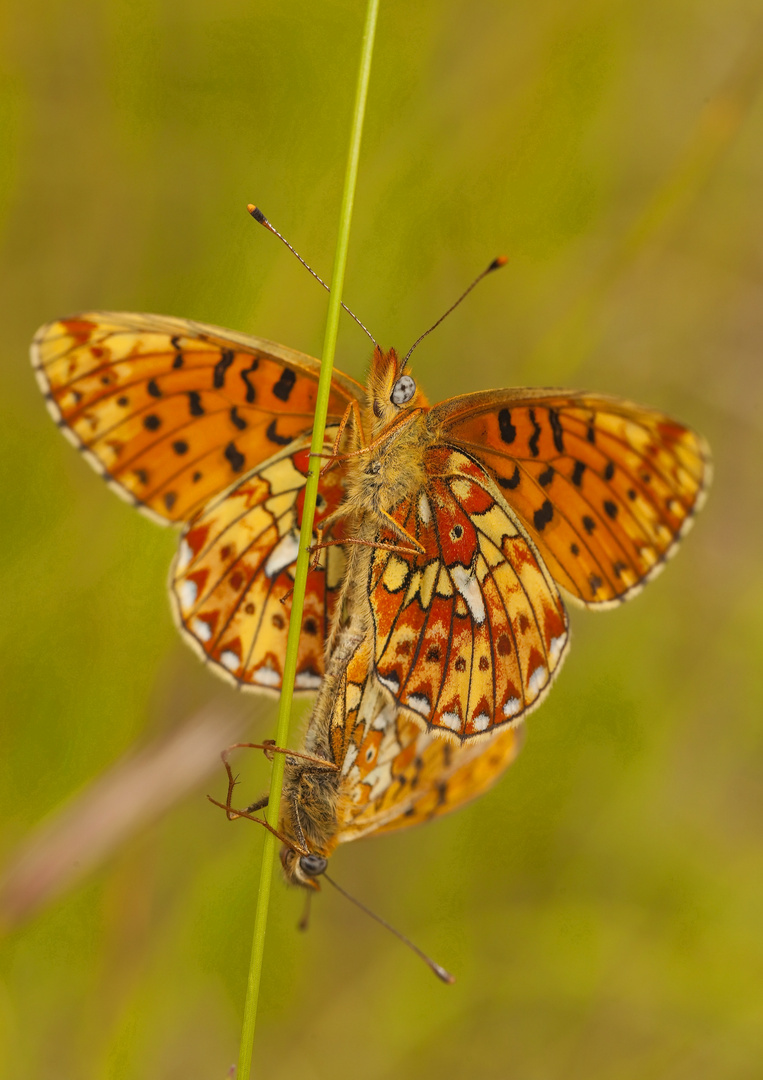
(418, 550)
(233, 813)
(269, 748)
(304, 922)
(363, 448)
(352, 412)
(389, 521)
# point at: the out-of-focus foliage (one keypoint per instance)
(602, 906)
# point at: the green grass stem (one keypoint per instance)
(303, 558)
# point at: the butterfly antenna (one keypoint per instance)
(439, 971)
(258, 216)
(496, 264)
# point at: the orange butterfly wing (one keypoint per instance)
(394, 774)
(235, 563)
(170, 411)
(605, 488)
(468, 635)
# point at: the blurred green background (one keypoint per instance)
(603, 906)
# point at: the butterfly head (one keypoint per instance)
(302, 868)
(392, 390)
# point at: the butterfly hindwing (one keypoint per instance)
(394, 774)
(231, 581)
(469, 635)
(605, 488)
(170, 411)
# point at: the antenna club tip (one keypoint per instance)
(256, 213)
(497, 263)
(441, 973)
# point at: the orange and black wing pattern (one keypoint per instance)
(468, 635)
(393, 773)
(231, 580)
(171, 412)
(605, 489)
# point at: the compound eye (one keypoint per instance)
(403, 390)
(312, 865)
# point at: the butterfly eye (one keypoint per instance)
(403, 390)
(312, 865)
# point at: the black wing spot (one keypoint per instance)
(283, 388)
(610, 509)
(618, 568)
(507, 429)
(591, 434)
(609, 471)
(632, 494)
(595, 583)
(588, 524)
(151, 422)
(196, 477)
(180, 446)
(222, 365)
(574, 549)
(546, 476)
(153, 388)
(577, 473)
(124, 401)
(510, 482)
(533, 443)
(237, 420)
(178, 361)
(543, 515)
(194, 403)
(170, 498)
(141, 476)
(234, 456)
(251, 392)
(272, 434)
(556, 427)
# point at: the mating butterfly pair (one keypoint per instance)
(448, 530)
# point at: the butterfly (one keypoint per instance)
(366, 768)
(443, 534)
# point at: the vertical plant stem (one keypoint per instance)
(305, 540)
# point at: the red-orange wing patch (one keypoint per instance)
(605, 488)
(236, 562)
(170, 411)
(468, 635)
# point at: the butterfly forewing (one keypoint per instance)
(231, 580)
(469, 635)
(604, 488)
(171, 412)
